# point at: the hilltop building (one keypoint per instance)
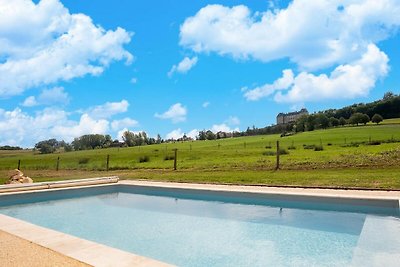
(290, 117)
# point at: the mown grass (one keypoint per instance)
(346, 160)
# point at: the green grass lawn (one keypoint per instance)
(346, 160)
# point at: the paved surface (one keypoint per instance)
(18, 252)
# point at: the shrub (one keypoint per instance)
(273, 153)
(143, 159)
(351, 145)
(329, 144)
(309, 146)
(268, 147)
(291, 147)
(83, 161)
(377, 118)
(374, 143)
(167, 157)
(269, 153)
(318, 148)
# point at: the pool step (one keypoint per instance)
(58, 184)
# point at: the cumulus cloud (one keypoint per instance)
(20, 128)
(351, 80)
(184, 66)
(125, 123)
(177, 133)
(223, 128)
(232, 120)
(263, 91)
(55, 95)
(313, 34)
(176, 113)
(205, 104)
(108, 109)
(43, 43)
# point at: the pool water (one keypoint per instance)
(190, 231)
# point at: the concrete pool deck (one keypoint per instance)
(94, 254)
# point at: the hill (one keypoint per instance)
(370, 149)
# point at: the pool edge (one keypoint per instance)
(83, 250)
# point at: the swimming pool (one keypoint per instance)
(207, 228)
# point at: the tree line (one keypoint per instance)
(385, 108)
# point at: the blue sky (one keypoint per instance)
(69, 68)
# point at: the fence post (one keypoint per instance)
(58, 163)
(19, 164)
(108, 162)
(175, 158)
(277, 155)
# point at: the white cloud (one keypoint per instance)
(223, 128)
(263, 91)
(205, 104)
(177, 133)
(184, 66)
(19, 128)
(125, 123)
(176, 113)
(55, 95)
(108, 109)
(313, 34)
(134, 80)
(347, 81)
(30, 101)
(43, 44)
(232, 120)
(86, 125)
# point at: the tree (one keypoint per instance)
(377, 118)
(322, 121)
(365, 119)
(342, 121)
(202, 135)
(47, 146)
(388, 95)
(356, 118)
(334, 122)
(210, 135)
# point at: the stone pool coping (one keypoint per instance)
(100, 255)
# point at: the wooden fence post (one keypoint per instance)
(19, 164)
(277, 155)
(175, 158)
(108, 162)
(58, 163)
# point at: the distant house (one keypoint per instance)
(290, 117)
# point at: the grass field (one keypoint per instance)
(348, 159)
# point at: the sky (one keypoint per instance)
(174, 67)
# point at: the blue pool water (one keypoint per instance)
(207, 229)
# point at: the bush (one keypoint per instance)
(273, 153)
(377, 118)
(351, 145)
(83, 161)
(374, 143)
(269, 153)
(291, 148)
(268, 147)
(143, 159)
(329, 144)
(309, 146)
(318, 148)
(167, 157)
